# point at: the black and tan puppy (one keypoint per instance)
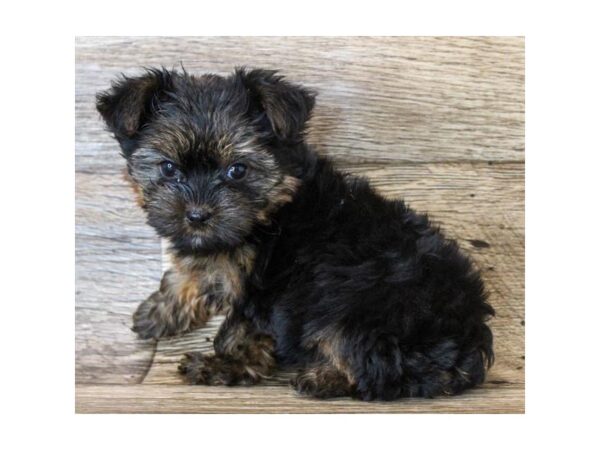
(313, 269)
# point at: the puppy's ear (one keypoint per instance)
(287, 106)
(131, 102)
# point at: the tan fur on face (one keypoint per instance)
(281, 194)
(137, 190)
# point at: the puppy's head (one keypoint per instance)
(209, 155)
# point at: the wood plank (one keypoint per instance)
(480, 205)
(117, 265)
(380, 98)
(273, 399)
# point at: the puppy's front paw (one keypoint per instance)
(194, 369)
(150, 320)
(214, 370)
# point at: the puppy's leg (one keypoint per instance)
(378, 367)
(322, 381)
(178, 306)
(243, 356)
(330, 375)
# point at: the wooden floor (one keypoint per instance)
(437, 121)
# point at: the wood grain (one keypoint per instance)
(117, 265)
(438, 121)
(276, 399)
(380, 99)
(117, 257)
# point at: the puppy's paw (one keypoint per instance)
(150, 320)
(321, 383)
(214, 370)
(308, 384)
(192, 367)
(304, 383)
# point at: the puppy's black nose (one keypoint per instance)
(197, 216)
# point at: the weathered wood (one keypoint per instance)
(117, 264)
(117, 257)
(496, 398)
(387, 98)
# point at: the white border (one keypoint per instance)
(37, 223)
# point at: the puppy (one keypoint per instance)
(313, 269)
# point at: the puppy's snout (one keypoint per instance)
(197, 215)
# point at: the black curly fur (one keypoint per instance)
(360, 293)
(406, 305)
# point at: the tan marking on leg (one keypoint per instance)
(217, 280)
(329, 343)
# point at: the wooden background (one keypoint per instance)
(437, 121)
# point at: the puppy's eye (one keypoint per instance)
(168, 169)
(236, 171)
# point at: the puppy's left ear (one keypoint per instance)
(287, 106)
(131, 102)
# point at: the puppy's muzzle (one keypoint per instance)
(197, 216)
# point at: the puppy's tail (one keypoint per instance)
(392, 371)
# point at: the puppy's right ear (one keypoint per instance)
(131, 102)
(287, 106)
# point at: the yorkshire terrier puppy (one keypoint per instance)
(313, 268)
